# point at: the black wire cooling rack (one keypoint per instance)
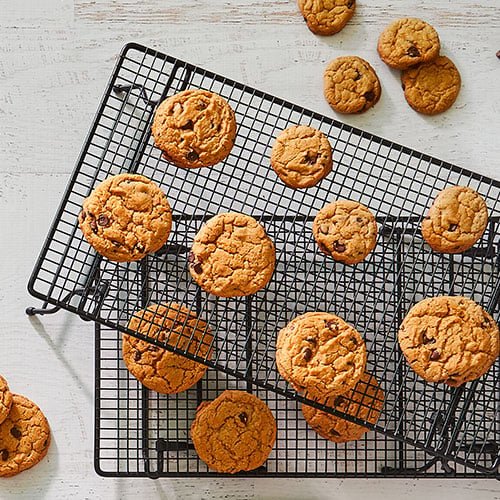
(139, 431)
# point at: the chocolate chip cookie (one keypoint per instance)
(126, 217)
(365, 402)
(194, 128)
(5, 399)
(320, 353)
(24, 437)
(326, 17)
(301, 156)
(232, 256)
(432, 87)
(345, 230)
(407, 42)
(456, 220)
(449, 340)
(159, 369)
(235, 432)
(351, 85)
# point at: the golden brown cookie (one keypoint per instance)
(24, 437)
(326, 17)
(301, 156)
(351, 85)
(365, 402)
(456, 220)
(232, 256)
(449, 340)
(159, 369)
(320, 353)
(408, 41)
(194, 128)
(235, 432)
(5, 399)
(432, 87)
(126, 217)
(345, 230)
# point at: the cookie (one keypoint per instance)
(345, 230)
(351, 85)
(24, 437)
(432, 87)
(126, 217)
(194, 128)
(232, 256)
(5, 399)
(159, 369)
(235, 432)
(326, 17)
(449, 340)
(320, 353)
(365, 402)
(301, 156)
(407, 42)
(456, 220)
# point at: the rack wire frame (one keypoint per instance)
(453, 424)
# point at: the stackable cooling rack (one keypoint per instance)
(423, 430)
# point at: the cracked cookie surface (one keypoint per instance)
(345, 230)
(5, 399)
(365, 402)
(456, 220)
(320, 353)
(159, 369)
(126, 217)
(431, 88)
(194, 128)
(449, 340)
(234, 432)
(351, 85)
(24, 437)
(232, 256)
(326, 17)
(301, 156)
(408, 41)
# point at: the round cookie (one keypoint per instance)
(301, 156)
(159, 369)
(345, 230)
(126, 217)
(351, 85)
(320, 353)
(232, 256)
(24, 437)
(194, 128)
(235, 432)
(408, 41)
(5, 399)
(432, 87)
(449, 340)
(456, 220)
(365, 402)
(326, 17)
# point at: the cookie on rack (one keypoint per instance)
(234, 432)
(456, 220)
(194, 128)
(320, 353)
(301, 156)
(351, 85)
(5, 399)
(159, 369)
(365, 402)
(326, 17)
(24, 437)
(232, 256)
(449, 340)
(407, 42)
(126, 217)
(345, 230)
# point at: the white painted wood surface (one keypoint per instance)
(56, 57)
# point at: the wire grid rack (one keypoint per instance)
(398, 184)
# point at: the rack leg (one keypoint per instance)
(32, 311)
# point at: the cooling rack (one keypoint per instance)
(398, 184)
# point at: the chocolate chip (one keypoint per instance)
(196, 267)
(413, 51)
(311, 159)
(453, 227)
(5, 454)
(339, 247)
(190, 257)
(435, 355)
(359, 219)
(311, 340)
(498, 54)
(350, 4)
(116, 243)
(201, 105)
(16, 432)
(427, 340)
(339, 400)
(153, 348)
(137, 356)
(332, 325)
(353, 340)
(333, 432)
(103, 220)
(44, 443)
(307, 355)
(369, 96)
(83, 215)
(187, 126)
(93, 225)
(243, 417)
(192, 156)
